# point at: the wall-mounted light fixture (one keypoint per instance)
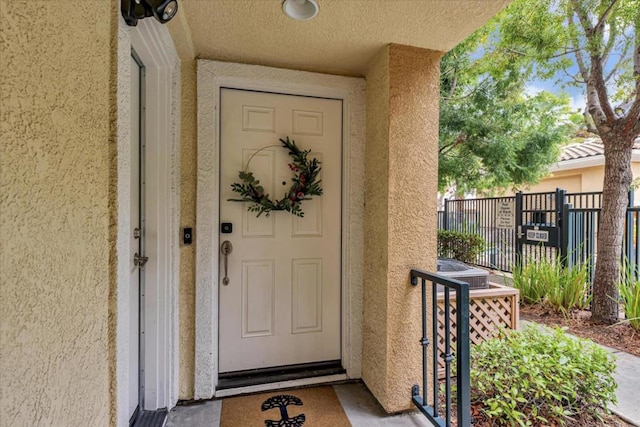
(301, 10)
(162, 10)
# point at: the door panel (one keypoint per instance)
(282, 304)
(258, 298)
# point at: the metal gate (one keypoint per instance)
(538, 226)
(529, 227)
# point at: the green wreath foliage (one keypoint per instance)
(305, 184)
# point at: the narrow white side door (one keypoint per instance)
(134, 281)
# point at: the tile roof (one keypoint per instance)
(589, 148)
(582, 150)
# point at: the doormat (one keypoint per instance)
(307, 407)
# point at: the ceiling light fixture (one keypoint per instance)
(300, 10)
(162, 10)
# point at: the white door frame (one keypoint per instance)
(154, 46)
(213, 75)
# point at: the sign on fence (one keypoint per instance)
(506, 215)
(538, 235)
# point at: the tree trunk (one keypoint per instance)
(617, 181)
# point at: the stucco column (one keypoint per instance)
(400, 215)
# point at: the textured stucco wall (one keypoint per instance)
(181, 35)
(582, 179)
(400, 225)
(376, 219)
(56, 123)
(571, 181)
(188, 177)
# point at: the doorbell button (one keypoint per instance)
(226, 228)
(187, 235)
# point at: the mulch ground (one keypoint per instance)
(620, 336)
(478, 419)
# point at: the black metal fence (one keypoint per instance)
(485, 217)
(458, 352)
(529, 227)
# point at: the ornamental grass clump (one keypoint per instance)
(629, 288)
(528, 280)
(540, 376)
(551, 283)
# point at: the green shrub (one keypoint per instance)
(629, 288)
(464, 247)
(540, 376)
(551, 283)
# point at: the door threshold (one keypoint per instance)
(276, 374)
(151, 418)
(302, 382)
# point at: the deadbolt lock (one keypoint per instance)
(140, 261)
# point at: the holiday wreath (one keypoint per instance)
(305, 184)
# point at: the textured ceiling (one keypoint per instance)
(342, 39)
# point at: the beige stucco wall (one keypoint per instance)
(180, 34)
(56, 118)
(374, 361)
(577, 180)
(572, 182)
(188, 161)
(400, 221)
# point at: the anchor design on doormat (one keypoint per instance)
(281, 402)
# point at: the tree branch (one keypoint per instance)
(588, 121)
(617, 66)
(631, 121)
(582, 66)
(598, 101)
(566, 52)
(636, 58)
(454, 84)
(632, 118)
(508, 49)
(610, 43)
(572, 77)
(462, 138)
(605, 14)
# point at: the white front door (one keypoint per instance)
(282, 304)
(136, 238)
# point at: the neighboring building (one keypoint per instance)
(115, 135)
(581, 168)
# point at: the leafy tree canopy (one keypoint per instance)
(593, 44)
(493, 134)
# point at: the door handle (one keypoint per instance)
(140, 261)
(226, 248)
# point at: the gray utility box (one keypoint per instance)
(477, 278)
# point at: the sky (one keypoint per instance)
(578, 101)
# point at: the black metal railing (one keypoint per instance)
(431, 282)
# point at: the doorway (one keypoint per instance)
(212, 76)
(138, 258)
(281, 302)
(147, 206)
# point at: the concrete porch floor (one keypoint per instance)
(360, 406)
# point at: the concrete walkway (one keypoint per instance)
(628, 377)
